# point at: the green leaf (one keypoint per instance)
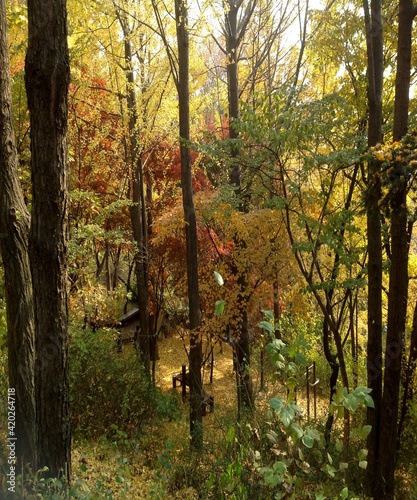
(329, 469)
(277, 403)
(309, 437)
(363, 464)
(308, 441)
(369, 401)
(269, 314)
(230, 435)
(351, 402)
(338, 445)
(364, 432)
(219, 307)
(287, 415)
(297, 431)
(266, 325)
(344, 493)
(362, 454)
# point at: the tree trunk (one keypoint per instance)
(196, 354)
(137, 209)
(47, 79)
(14, 234)
(398, 277)
(397, 310)
(244, 379)
(408, 377)
(373, 25)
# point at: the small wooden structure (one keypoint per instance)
(130, 316)
(183, 377)
(311, 370)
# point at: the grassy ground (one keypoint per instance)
(144, 464)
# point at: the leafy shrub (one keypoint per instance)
(110, 392)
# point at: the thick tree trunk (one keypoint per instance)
(373, 25)
(14, 234)
(398, 277)
(407, 378)
(397, 310)
(196, 356)
(47, 79)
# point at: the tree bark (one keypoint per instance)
(408, 377)
(244, 379)
(14, 236)
(137, 209)
(374, 39)
(196, 356)
(47, 79)
(398, 276)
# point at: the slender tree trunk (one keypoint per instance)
(334, 375)
(137, 208)
(373, 25)
(47, 79)
(196, 354)
(14, 234)
(277, 309)
(244, 379)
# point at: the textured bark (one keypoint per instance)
(14, 234)
(407, 378)
(398, 277)
(374, 40)
(47, 79)
(196, 395)
(397, 310)
(403, 76)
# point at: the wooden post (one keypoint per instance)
(308, 393)
(315, 390)
(262, 369)
(184, 382)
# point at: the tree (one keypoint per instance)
(235, 25)
(47, 80)
(374, 44)
(196, 398)
(14, 235)
(180, 69)
(137, 196)
(398, 275)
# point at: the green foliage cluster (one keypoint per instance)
(110, 392)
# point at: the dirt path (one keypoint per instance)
(173, 355)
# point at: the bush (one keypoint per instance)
(111, 390)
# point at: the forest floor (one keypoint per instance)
(146, 464)
(106, 465)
